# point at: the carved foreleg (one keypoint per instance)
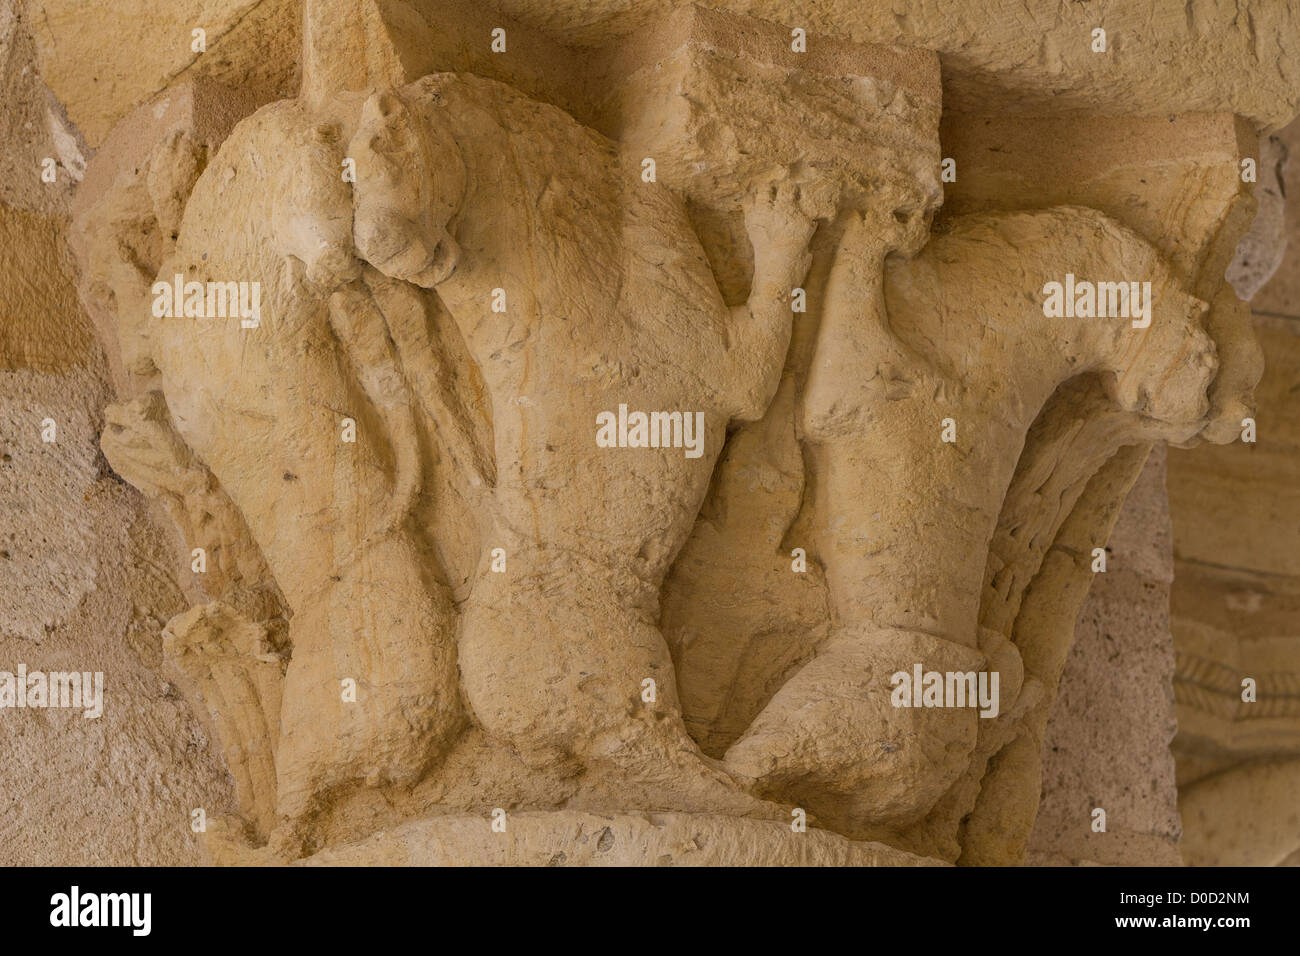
(362, 329)
(858, 360)
(781, 218)
(905, 518)
(435, 378)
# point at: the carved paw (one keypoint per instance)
(776, 221)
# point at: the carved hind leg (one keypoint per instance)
(558, 662)
(371, 691)
(833, 732)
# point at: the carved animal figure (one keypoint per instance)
(467, 193)
(467, 187)
(957, 334)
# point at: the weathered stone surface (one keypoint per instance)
(83, 587)
(1219, 833)
(1032, 57)
(1281, 295)
(29, 123)
(996, 56)
(1236, 596)
(139, 47)
(414, 555)
(1236, 601)
(585, 839)
(135, 192)
(1107, 740)
(1262, 250)
(1258, 532)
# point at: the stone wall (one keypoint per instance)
(1236, 597)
